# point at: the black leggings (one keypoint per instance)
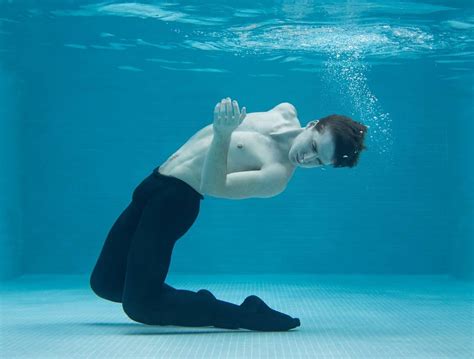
(136, 256)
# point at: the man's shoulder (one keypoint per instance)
(286, 109)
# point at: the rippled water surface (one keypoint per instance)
(338, 41)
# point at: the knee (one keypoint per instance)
(142, 314)
(131, 312)
(101, 290)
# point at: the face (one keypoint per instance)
(312, 148)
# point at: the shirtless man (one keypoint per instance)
(238, 156)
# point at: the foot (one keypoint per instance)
(259, 316)
(206, 293)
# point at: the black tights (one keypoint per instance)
(136, 256)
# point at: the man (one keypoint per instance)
(238, 156)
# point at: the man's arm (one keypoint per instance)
(214, 170)
(267, 182)
(227, 117)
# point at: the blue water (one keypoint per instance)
(376, 260)
(95, 95)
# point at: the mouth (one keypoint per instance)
(298, 158)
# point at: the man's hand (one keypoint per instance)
(227, 117)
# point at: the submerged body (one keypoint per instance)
(135, 259)
(260, 140)
(238, 156)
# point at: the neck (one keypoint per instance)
(286, 136)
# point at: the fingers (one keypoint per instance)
(243, 114)
(227, 111)
(222, 110)
(235, 106)
(216, 112)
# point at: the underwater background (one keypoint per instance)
(93, 96)
(376, 260)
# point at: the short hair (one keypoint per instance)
(348, 136)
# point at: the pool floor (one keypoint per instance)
(342, 316)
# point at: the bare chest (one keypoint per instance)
(250, 148)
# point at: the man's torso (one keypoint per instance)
(251, 147)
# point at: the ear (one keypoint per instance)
(311, 123)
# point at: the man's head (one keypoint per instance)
(334, 139)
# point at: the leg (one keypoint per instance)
(146, 297)
(107, 278)
(204, 309)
